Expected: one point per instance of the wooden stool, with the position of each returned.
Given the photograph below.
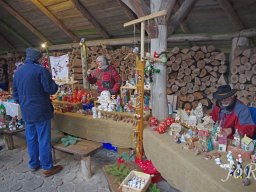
(8, 139)
(83, 149)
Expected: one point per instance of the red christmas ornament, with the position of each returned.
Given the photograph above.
(153, 121)
(156, 55)
(169, 121)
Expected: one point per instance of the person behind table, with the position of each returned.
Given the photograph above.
(4, 77)
(232, 113)
(32, 87)
(106, 76)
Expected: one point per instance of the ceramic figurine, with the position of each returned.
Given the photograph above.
(247, 144)
(104, 100)
(94, 113)
(217, 161)
(237, 139)
(198, 112)
(99, 115)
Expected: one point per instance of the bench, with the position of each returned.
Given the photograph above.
(8, 137)
(82, 149)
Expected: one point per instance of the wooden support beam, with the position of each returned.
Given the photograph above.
(172, 39)
(169, 7)
(7, 41)
(180, 15)
(24, 21)
(183, 24)
(218, 37)
(145, 18)
(14, 33)
(232, 14)
(55, 20)
(90, 18)
(131, 15)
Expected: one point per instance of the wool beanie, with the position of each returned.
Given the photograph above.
(33, 54)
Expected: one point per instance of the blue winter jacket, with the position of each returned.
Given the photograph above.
(32, 87)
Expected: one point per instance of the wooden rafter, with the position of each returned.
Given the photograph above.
(24, 21)
(172, 39)
(128, 12)
(7, 41)
(90, 18)
(14, 33)
(180, 15)
(141, 9)
(232, 14)
(55, 20)
(183, 24)
(169, 7)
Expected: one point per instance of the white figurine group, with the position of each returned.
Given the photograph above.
(136, 182)
(106, 103)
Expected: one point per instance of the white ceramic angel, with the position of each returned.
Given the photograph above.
(94, 113)
(198, 112)
(104, 100)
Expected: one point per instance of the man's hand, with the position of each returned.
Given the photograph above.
(89, 72)
(228, 131)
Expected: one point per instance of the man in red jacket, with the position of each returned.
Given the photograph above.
(231, 113)
(105, 76)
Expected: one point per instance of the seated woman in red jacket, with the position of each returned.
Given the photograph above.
(232, 113)
(106, 76)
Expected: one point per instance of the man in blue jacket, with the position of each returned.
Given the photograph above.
(32, 87)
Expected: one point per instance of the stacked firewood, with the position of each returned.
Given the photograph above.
(195, 73)
(243, 74)
(75, 66)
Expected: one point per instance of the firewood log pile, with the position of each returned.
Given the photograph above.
(243, 74)
(194, 74)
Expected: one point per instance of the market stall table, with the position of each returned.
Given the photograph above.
(117, 133)
(186, 171)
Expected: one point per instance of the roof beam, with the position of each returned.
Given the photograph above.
(180, 15)
(83, 10)
(169, 7)
(24, 21)
(232, 14)
(172, 39)
(14, 33)
(129, 13)
(7, 41)
(55, 20)
(183, 24)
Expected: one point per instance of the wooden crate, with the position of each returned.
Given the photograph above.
(125, 188)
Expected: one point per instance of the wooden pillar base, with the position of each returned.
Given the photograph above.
(86, 167)
(9, 141)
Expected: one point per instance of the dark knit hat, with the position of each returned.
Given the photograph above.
(33, 54)
(224, 91)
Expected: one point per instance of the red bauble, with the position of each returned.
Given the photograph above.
(169, 121)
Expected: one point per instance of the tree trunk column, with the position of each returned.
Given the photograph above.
(158, 88)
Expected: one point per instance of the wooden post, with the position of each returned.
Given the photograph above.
(86, 167)
(158, 88)
(140, 84)
(84, 64)
(238, 42)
